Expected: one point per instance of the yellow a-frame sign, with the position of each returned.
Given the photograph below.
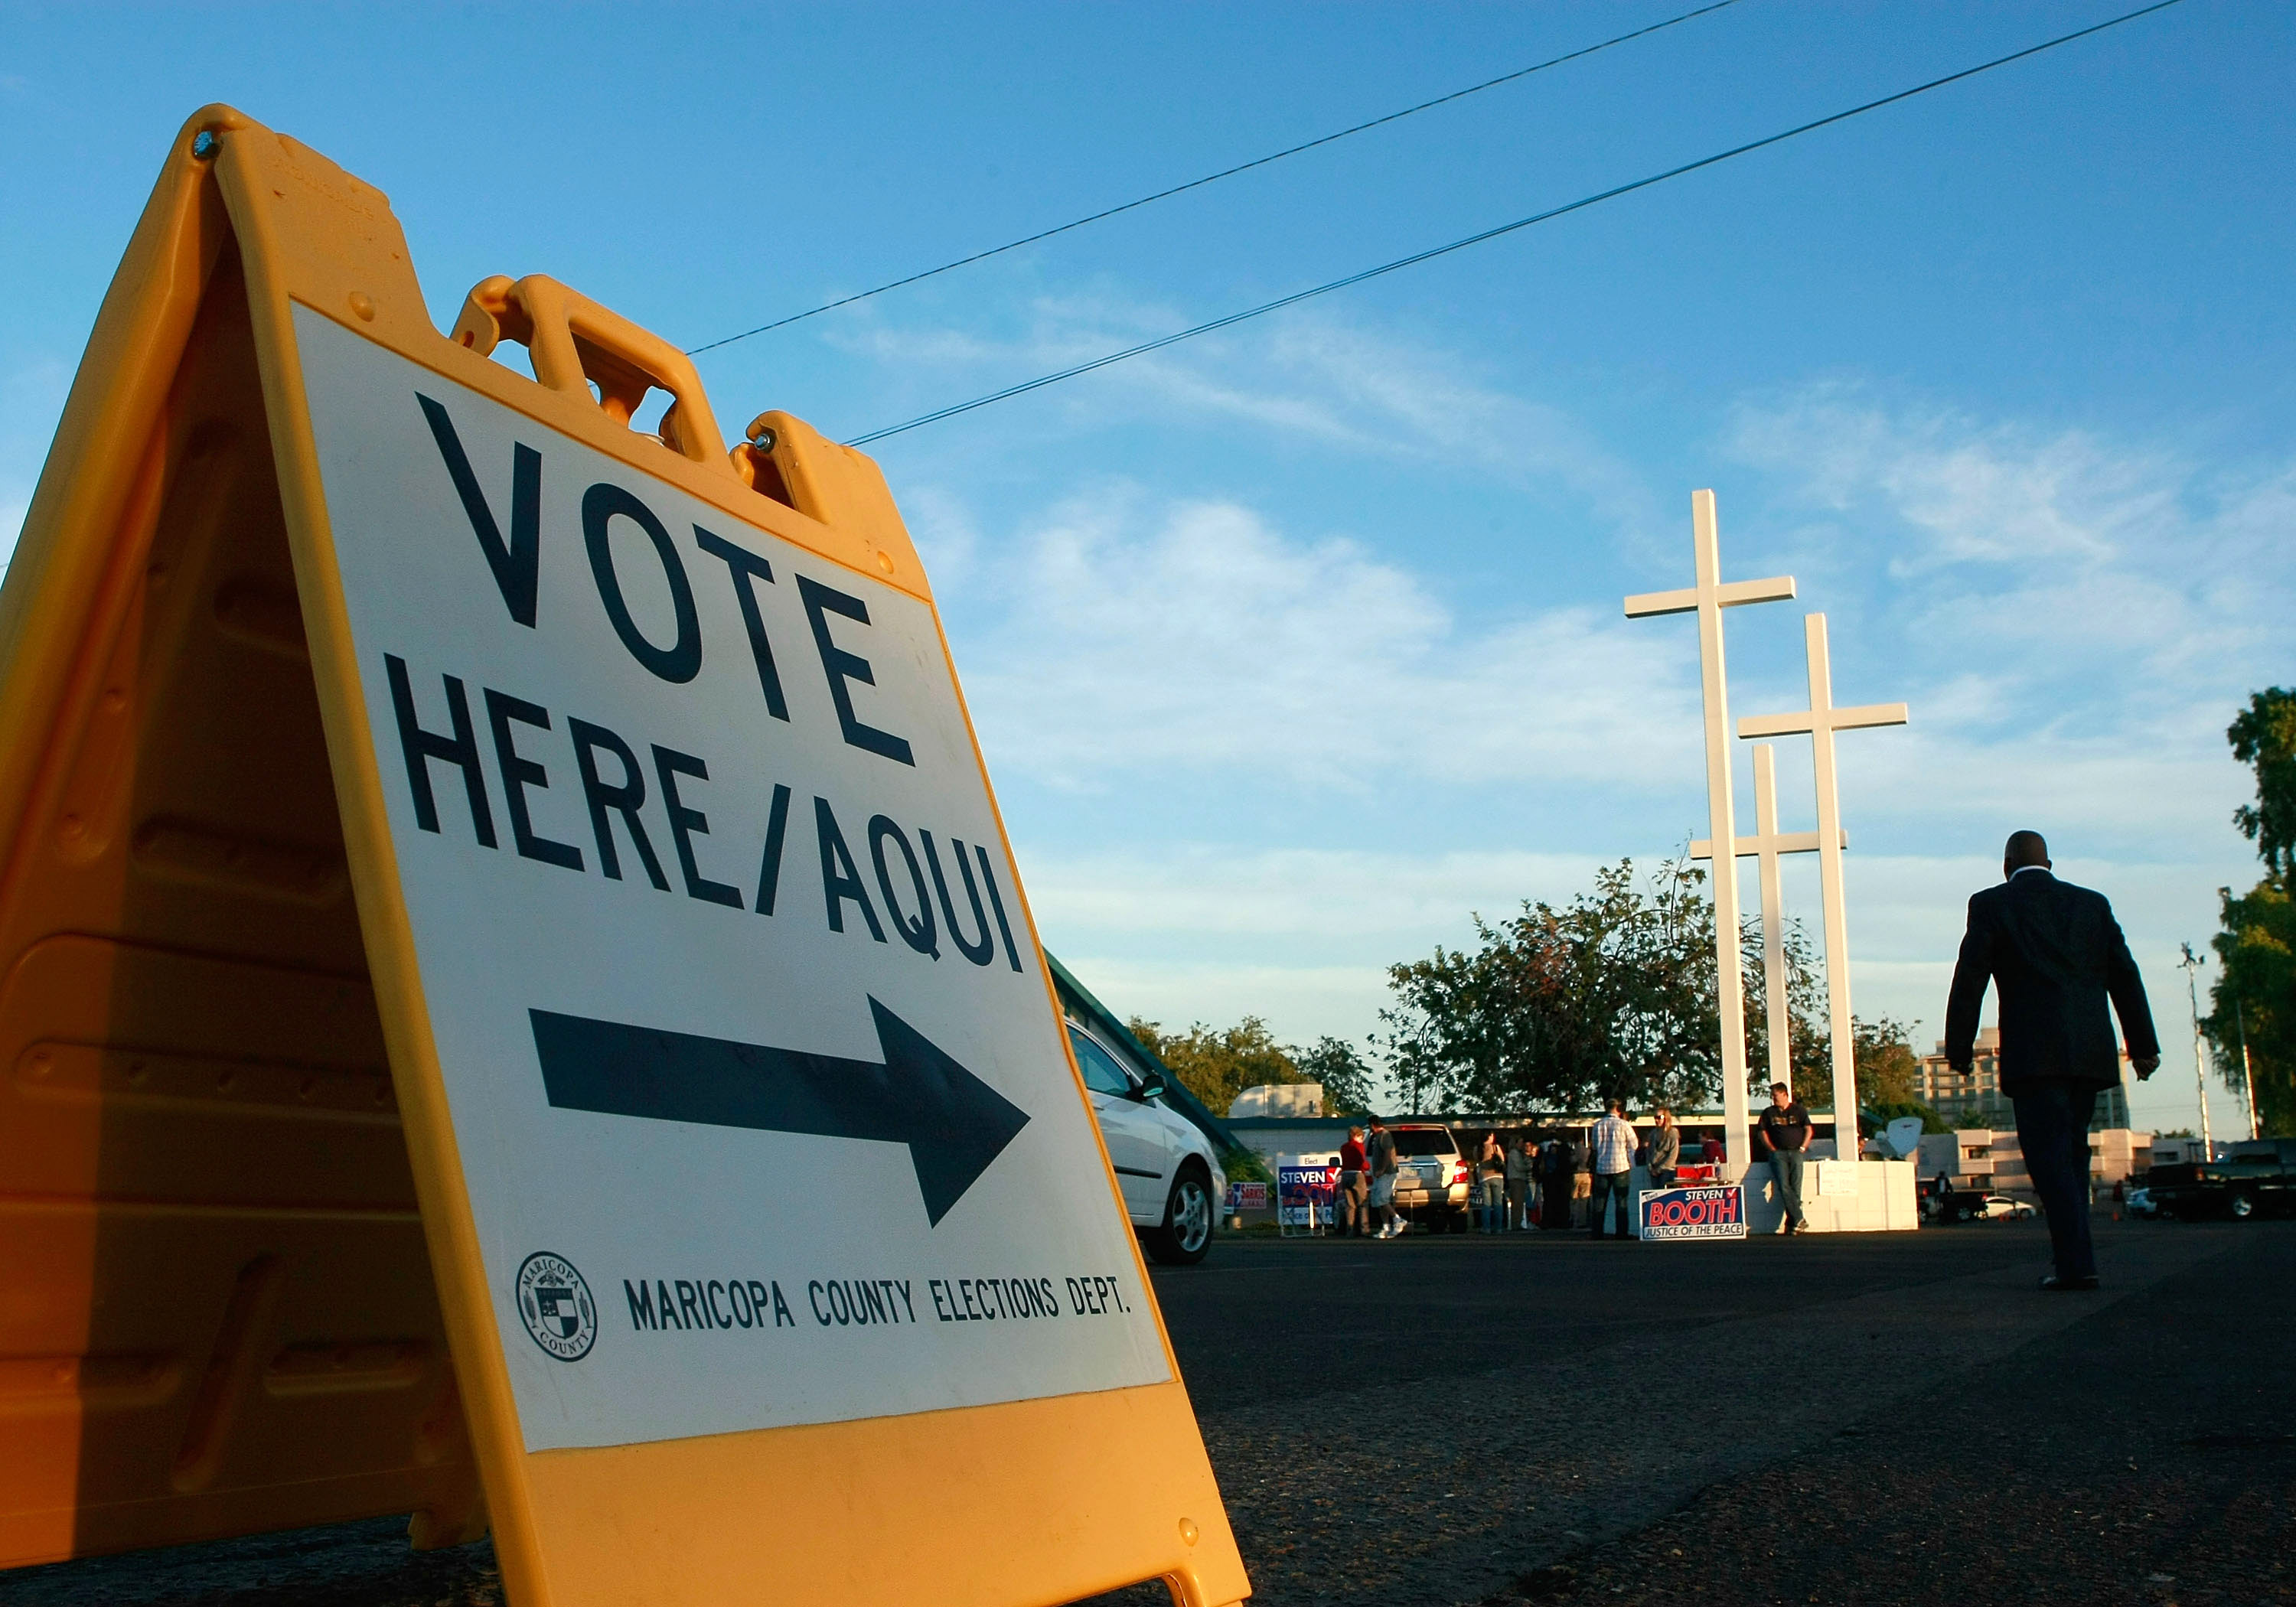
(514, 999)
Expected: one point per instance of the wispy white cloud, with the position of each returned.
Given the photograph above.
(1301, 938)
(2074, 618)
(2034, 556)
(1327, 895)
(1971, 491)
(1138, 635)
(1313, 374)
(1322, 376)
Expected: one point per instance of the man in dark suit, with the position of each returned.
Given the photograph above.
(2055, 954)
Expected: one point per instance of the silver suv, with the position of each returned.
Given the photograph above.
(1431, 1176)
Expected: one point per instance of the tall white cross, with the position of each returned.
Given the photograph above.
(1765, 846)
(1821, 720)
(1707, 599)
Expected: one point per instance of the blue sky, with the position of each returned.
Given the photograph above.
(1293, 645)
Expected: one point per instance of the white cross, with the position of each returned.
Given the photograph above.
(1707, 599)
(1821, 720)
(1765, 846)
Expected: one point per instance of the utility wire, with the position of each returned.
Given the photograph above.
(1208, 178)
(1505, 228)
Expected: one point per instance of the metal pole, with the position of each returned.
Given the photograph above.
(2192, 963)
(2247, 1072)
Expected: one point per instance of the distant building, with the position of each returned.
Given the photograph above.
(1977, 1092)
(1292, 1100)
(2183, 1151)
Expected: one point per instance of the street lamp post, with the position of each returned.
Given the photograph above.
(2192, 963)
(2247, 1071)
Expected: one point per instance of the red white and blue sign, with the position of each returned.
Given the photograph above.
(1305, 1194)
(1716, 1212)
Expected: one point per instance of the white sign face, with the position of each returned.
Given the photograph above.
(763, 1111)
(1837, 1179)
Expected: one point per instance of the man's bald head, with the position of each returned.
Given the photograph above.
(2025, 847)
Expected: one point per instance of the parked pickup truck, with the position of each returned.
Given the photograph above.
(2255, 1179)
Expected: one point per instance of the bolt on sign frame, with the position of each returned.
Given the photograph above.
(253, 1189)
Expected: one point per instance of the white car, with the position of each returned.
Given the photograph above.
(1171, 1180)
(2002, 1205)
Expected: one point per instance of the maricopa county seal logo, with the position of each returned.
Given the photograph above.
(557, 1306)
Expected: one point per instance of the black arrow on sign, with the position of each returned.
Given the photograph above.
(954, 1124)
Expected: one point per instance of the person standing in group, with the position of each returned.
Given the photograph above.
(1522, 1184)
(1490, 1184)
(1784, 1130)
(1554, 1187)
(2055, 956)
(1381, 1157)
(1352, 1218)
(1582, 1179)
(1665, 1148)
(1610, 1142)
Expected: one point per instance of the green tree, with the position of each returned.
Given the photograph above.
(1350, 1084)
(2253, 1000)
(1217, 1065)
(1561, 1007)
(1809, 1063)
(1888, 1071)
(2264, 737)
(2252, 1003)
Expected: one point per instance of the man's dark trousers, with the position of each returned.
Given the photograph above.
(1785, 1166)
(2053, 1118)
(1614, 1186)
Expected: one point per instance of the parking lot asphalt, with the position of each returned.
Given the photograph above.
(1424, 1308)
(1883, 1418)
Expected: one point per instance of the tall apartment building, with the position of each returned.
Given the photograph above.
(1977, 1091)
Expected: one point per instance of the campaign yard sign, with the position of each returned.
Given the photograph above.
(1712, 1212)
(1305, 1194)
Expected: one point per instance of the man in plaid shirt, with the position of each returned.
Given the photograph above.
(1612, 1141)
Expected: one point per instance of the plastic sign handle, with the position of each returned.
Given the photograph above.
(576, 343)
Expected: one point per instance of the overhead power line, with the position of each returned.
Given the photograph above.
(1583, 202)
(1210, 178)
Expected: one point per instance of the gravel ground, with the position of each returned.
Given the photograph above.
(1459, 1419)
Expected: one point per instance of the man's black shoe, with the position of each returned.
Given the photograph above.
(2053, 1284)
